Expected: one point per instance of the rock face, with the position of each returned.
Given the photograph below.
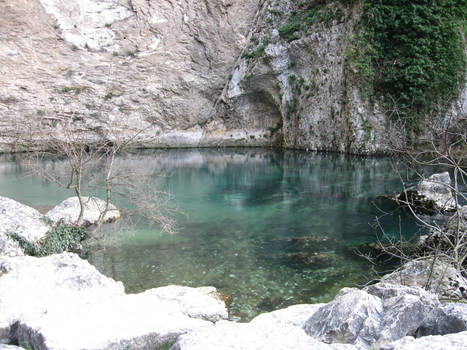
(60, 301)
(22, 220)
(445, 281)
(185, 73)
(68, 211)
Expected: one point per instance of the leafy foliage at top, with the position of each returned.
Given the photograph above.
(417, 54)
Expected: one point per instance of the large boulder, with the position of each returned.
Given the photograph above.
(456, 341)
(448, 318)
(438, 277)
(68, 211)
(22, 220)
(278, 330)
(62, 302)
(431, 196)
(376, 315)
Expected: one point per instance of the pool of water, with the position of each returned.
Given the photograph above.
(271, 228)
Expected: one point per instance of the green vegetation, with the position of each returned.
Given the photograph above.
(410, 55)
(61, 238)
(108, 25)
(66, 89)
(258, 52)
(74, 48)
(108, 96)
(167, 345)
(115, 53)
(40, 112)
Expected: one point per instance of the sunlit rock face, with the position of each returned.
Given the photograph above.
(184, 74)
(60, 301)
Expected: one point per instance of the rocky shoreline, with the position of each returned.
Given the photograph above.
(60, 301)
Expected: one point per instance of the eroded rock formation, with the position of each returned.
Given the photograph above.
(184, 73)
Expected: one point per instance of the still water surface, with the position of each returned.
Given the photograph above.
(270, 228)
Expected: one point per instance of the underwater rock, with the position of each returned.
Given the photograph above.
(431, 196)
(22, 220)
(439, 278)
(310, 243)
(68, 211)
(312, 259)
(59, 301)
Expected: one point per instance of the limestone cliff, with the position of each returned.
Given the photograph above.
(183, 73)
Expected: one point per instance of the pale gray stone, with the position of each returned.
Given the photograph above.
(439, 278)
(250, 336)
(437, 189)
(68, 211)
(376, 315)
(21, 220)
(10, 347)
(353, 317)
(456, 341)
(446, 319)
(62, 302)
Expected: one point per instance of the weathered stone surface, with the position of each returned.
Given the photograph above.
(456, 341)
(22, 220)
(62, 302)
(446, 319)
(439, 278)
(68, 211)
(431, 196)
(353, 317)
(10, 347)
(174, 74)
(379, 314)
(276, 330)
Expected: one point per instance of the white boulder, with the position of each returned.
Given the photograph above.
(22, 220)
(457, 341)
(62, 302)
(278, 330)
(68, 211)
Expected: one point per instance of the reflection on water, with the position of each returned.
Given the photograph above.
(271, 228)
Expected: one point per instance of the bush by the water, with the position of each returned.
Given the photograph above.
(61, 238)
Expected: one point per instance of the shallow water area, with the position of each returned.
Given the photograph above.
(271, 228)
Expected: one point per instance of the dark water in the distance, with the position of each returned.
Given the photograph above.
(240, 213)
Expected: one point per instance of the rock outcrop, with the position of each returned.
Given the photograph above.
(22, 220)
(438, 277)
(62, 302)
(184, 74)
(93, 207)
(432, 195)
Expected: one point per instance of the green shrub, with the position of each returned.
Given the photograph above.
(288, 30)
(61, 238)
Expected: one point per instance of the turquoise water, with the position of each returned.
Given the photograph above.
(270, 228)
